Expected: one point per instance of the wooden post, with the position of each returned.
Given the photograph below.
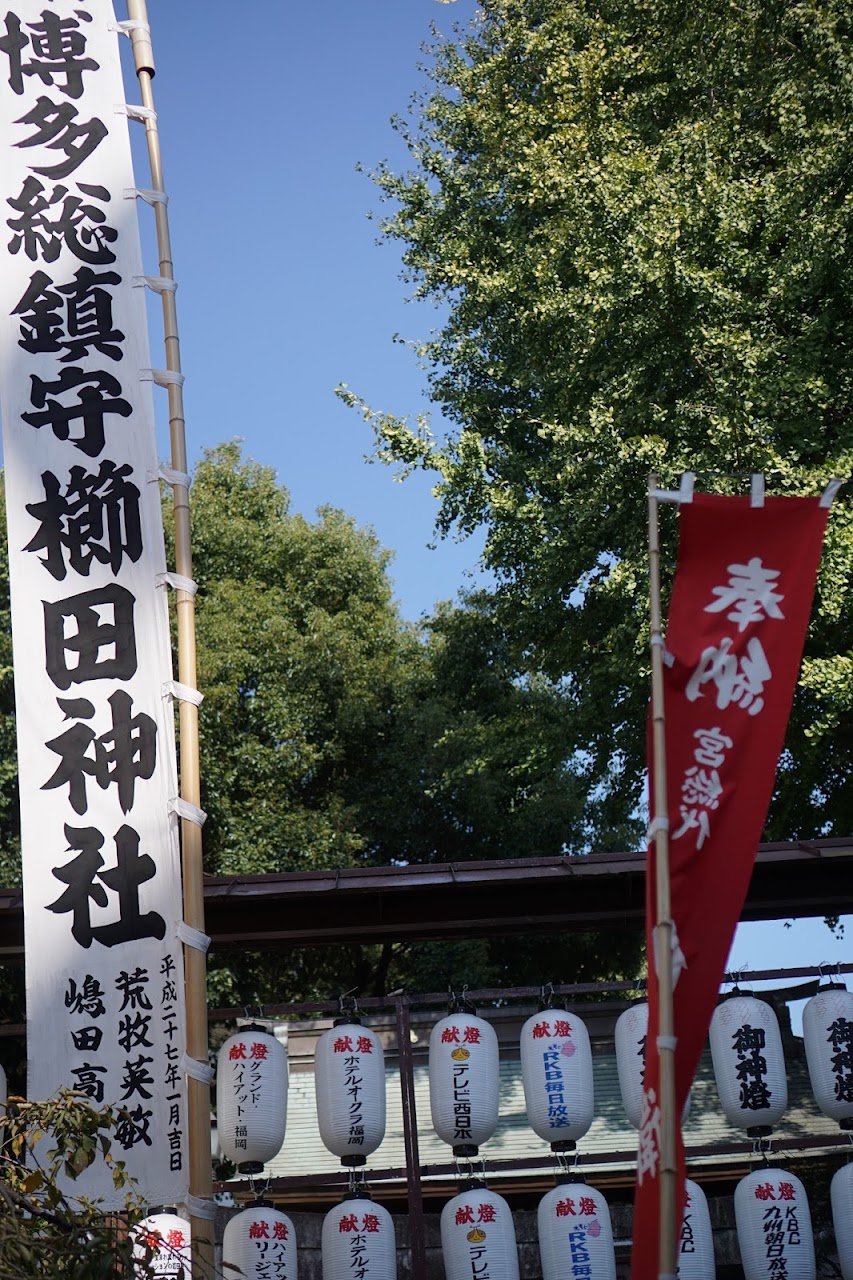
(195, 965)
(663, 933)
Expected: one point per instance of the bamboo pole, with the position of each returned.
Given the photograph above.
(663, 925)
(195, 966)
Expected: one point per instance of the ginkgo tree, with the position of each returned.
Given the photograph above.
(637, 222)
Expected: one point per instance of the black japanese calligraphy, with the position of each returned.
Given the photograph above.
(82, 875)
(104, 644)
(87, 998)
(90, 409)
(132, 987)
(58, 46)
(56, 129)
(128, 752)
(78, 225)
(90, 1081)
(133, 1031)
(95, 518)
(840, 1039)
(137, 1077)
(87, 1038)
(73, 317)
(132, 1127)
(751, 1068)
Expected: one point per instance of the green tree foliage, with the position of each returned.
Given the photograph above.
(334, 734)
(300, 654)
(45, 1230)
(637, 220)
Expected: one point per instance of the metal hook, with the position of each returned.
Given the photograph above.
(546, 995)
(347, 1002)
(763, 1147)
(259, 1192)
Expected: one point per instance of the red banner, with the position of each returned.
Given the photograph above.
(737, 623)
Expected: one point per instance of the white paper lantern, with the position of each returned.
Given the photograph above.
(164, 1242)
(349, 1082)
(749, 1064)
(464, 1081)
(774, 1226)
(251, 1097)
(632, 1027)
(695, 1257)
(478, 1236)
(261, 1243)
(556, 1071)
(358, 1240)
(575, 1234)
(828, 1035)
(841, 1196)
(630, 1036)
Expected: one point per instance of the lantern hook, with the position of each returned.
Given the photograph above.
(735, 977)
(546, 996)
(259, 1192)
(347, 1001)
(763, 1147)
(254, 1012)
(356, 1179)
(459, 1003)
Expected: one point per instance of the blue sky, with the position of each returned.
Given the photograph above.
(283, 292)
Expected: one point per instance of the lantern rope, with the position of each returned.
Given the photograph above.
(178, 581)
(184, 809)
(192, 937)
(135, 111)
(200, 1208)
(162, 377)
(169, 476)
(257, 1192)
(756, 490)
(656, 825)
(128, 25)
(684, 492)
(183, 692)
(146, 194)
(201, 1071)
(831, 490)
(157, 284)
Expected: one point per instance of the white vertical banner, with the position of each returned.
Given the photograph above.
(96, 751)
